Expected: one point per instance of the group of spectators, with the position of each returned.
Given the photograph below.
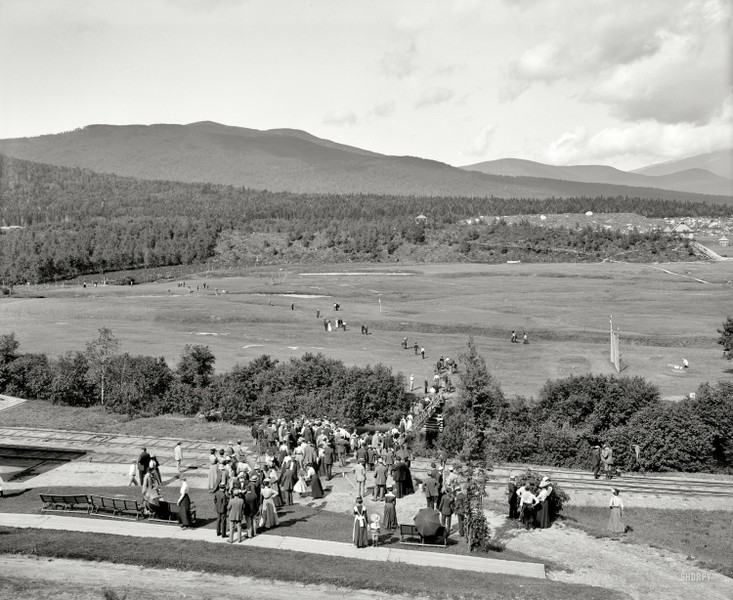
(529, 503)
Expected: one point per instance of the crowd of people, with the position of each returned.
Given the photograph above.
(530, 504)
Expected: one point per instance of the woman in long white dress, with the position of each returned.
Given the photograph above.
(267, 508)
(213, 471)
(615, 519)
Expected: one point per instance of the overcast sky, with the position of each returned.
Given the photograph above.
(619, 82)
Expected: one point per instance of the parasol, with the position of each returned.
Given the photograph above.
(427, 522)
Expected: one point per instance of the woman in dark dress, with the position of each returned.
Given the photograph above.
(315, 483)
(389, 519)
(184, 506)
(360, 533)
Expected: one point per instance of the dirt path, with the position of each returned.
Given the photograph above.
(642, 572)
(27, 578)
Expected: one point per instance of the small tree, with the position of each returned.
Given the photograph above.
(196, 367)
(726, 338)
(478, 533)
(99, 353)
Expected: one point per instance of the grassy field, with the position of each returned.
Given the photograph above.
(663, 317)
(704, 536)
(45, 415)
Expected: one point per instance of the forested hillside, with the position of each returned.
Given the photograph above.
(77, 222)
(292, 161)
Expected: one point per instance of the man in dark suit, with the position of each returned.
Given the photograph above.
(511, 490)
(328, 461)
(399, 475)
(221, 503)
(431, 490)
(143, 463)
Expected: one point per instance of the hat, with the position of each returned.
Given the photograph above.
(222, 485)
(359, 500)
(512, 477)
(450, 468)
(545, 482)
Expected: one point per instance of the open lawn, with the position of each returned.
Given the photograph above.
(664, 312)
(704, 536)
(45, 415)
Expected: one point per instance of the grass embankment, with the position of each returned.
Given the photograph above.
(300, 568)
(45, 415)
(704, 536)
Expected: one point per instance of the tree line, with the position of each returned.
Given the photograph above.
(559, 428)
(573, 414)
(77, 222)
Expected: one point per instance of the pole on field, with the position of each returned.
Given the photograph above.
(614, 349)
(380, 304)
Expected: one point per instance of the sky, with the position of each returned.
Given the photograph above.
(620, 82)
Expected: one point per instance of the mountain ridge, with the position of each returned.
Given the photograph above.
(688, 180)
(287, 160)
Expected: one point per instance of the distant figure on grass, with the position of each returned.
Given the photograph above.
(525, 338)
(412, 381)
(380, 480)
(543, 512)
(268, 520)
(404, 343)
(292, 306)
(607, 459)
(178, 456)
(235, 514)
(430, 486)
(511, 491)
(143, 462)
(460, 508)
(360, 533)
(416, 347)
(595, 461)
(527, 502)
(446, 511)
(514, 337)
(389, 519)
(360, 476)
(132, 474)
(422, 353)
(220, 506)
(615, 519)
(213, 471)
(184, 505)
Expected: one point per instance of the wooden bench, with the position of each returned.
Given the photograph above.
(66, 503)
(410, 535)
(120, 508)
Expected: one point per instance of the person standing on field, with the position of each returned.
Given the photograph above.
(178, 456)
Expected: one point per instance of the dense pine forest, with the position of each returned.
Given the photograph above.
(77, 222)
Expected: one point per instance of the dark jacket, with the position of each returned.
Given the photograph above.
(220, 501)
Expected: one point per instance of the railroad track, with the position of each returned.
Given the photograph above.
(634, 484)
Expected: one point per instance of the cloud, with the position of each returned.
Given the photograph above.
(643, 142)
(433, 96)
(481, 142)
(684, 82)
(384, 109)
(652, 60)
(400, 63)
(341, 119)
